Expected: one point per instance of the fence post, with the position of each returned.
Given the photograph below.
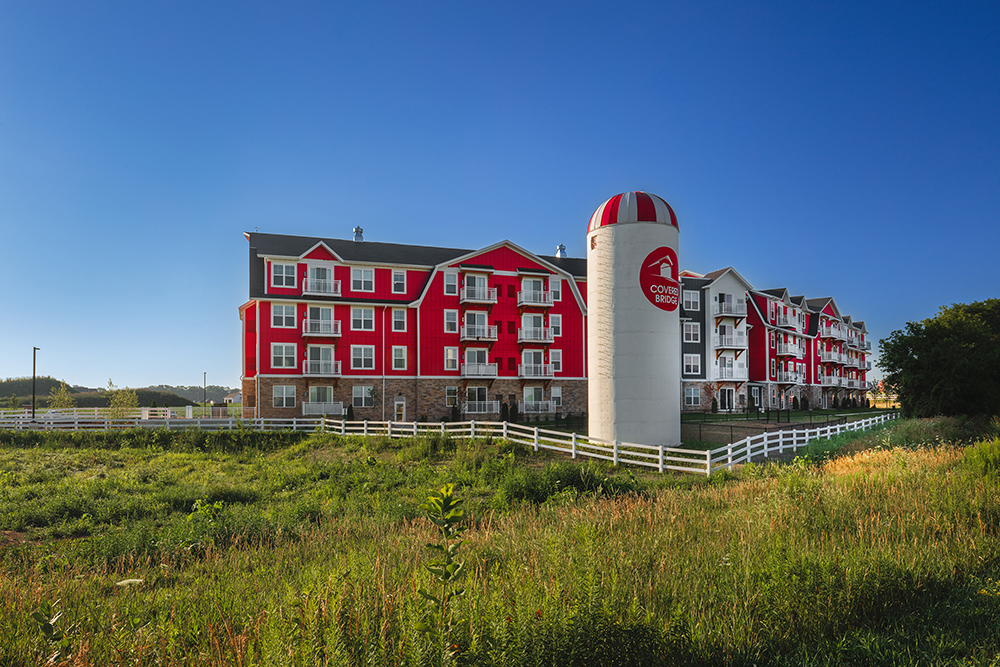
(708, 463)
(414, 429)
(505, 432)
(536, 438)
(615, 450)
(574, 450)
(343, 427)
(729, 462)
(660, 467)
(442, 428)
(388, 426)
(365, 429)
(473, 430)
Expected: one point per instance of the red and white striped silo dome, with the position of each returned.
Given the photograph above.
(632, 207)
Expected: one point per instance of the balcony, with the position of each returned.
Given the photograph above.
(785, 321)
(536, 407)
(829, 356)
(478, 295)
(321, 368)
(535, 335)
(478, 332)
(832, 332)
(321, 287)
(479, 370)
(730, 309)
(534, 370)
(534, 298)
(729, 341)
(830, 381)
(785, 350)
(790, 377)
(867, 346)
(330, 328)
(335, 409)
(739, 373)
(481, 408)
(851, 383)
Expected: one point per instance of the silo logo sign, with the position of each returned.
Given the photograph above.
(658, 278)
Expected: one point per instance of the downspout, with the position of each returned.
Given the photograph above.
(383, 363)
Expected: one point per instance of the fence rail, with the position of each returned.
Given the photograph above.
(661, 458)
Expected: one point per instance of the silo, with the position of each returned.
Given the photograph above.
(633, 338)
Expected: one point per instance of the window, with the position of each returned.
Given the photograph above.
(398, 358)
(282, 316)
(773, 367)
(692, 397)
(772, 338)
(555, 358)
(399, 319)
(555, 323)
(362, 319)
(320, 359)
(692, 364)
(363, 396)
(363, 280)
(451, 358)
(532, 394)
(320, 321)
(451, 283)
(451, 321)
(321, 394)
(282, 275)
(399, 282)
(363, 356)
(557, 396)
(284, 395)
(691, 301)
(451, 396)
(282, 356)
(692, 332)
(555, 286)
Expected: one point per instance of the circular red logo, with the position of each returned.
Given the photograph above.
(658, 278)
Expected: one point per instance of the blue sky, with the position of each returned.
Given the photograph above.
(849, 149)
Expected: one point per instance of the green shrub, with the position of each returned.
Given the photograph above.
(984, 458)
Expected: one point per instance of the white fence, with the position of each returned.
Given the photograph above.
(701, 462)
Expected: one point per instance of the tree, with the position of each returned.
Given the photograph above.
(948, 364)
(504, 412)
(13, 403)
(60, 398)
(121, 402)
(795, 403)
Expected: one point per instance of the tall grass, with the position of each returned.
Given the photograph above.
(878, 557)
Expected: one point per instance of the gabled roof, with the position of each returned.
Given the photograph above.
(819, 304)
(716, 275)
(780, 293)
(282, 245)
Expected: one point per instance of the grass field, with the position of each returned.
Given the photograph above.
(287, 549)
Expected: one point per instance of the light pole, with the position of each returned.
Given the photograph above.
(34, 356)
(204, 389)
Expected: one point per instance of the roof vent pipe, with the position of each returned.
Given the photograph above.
(358, 234)
(560, 250)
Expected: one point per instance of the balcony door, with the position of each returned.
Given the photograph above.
(320, 359)
(475, 285)
(727, 398)
(320, 320)
(532, 358)
(475, 356)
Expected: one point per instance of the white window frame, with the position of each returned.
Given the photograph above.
(772, 339)
(358, 313)
(774, 368)
(692, 397)
(399, 317)
(450, 396)
(555, 359)
(692, 332)
(555, 287)
(399, 357)
(358, 357)
(313, 391)
(361, 396)
(446, 314)
(284, 274)
(692, 362)
(395, 274)
(555, 325)
(451, 281)
(284, 356)
(358, 277)
(691, 300)
(284, 315)
(451, 358)
(284, 396)
(556, 395)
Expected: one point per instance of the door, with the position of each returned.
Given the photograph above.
(400, 411)
(726, 398)
(475, 324)
(320, 320)
(321, 360)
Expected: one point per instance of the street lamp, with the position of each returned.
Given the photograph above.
(34, 355)
(204, 389)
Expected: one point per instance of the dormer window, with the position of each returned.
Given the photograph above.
(282, 275)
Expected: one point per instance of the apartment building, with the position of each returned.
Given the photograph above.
(402, 331)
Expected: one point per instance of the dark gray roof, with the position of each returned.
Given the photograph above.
(383, 253)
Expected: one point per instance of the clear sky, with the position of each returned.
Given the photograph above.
(845, 149)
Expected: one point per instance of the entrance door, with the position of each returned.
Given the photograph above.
(727, 398)
(400, 410)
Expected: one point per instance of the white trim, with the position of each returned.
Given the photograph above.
(362, 318)
(362, 290)
(392, 275)
(395, 348)
(362, 347)
(295, 352)
(398, 310)
(284, 316)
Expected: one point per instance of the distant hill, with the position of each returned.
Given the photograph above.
(215, 392)
(85, 396)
